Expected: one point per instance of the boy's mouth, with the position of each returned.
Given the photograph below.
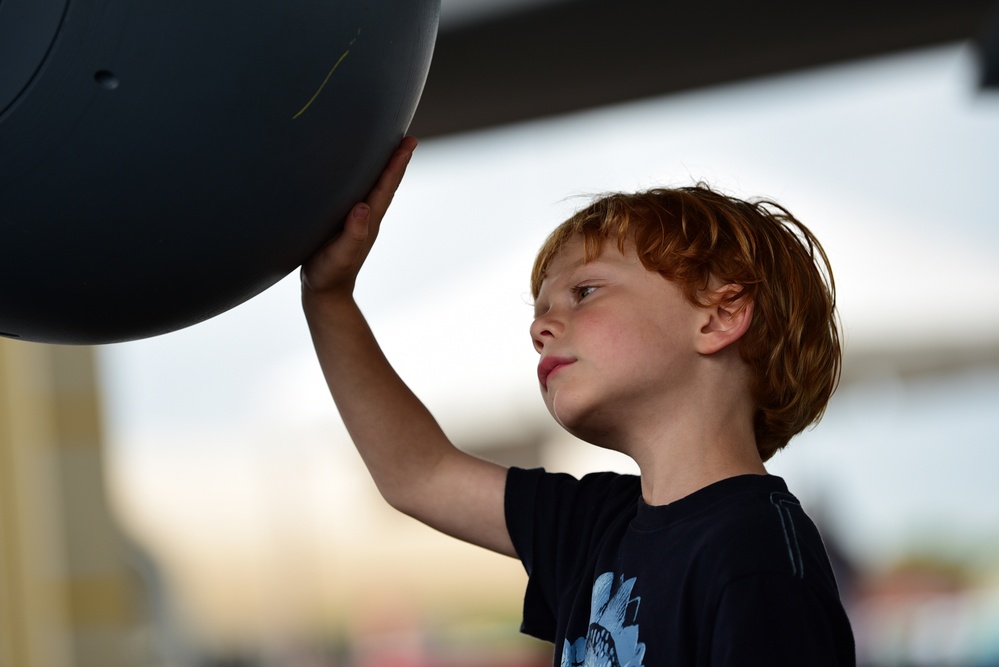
(549, 365)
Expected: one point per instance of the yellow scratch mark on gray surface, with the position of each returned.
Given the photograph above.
(326, 80)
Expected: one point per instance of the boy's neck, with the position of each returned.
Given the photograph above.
(689, 454)
(670, 481)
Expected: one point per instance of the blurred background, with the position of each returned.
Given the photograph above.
(193, 500)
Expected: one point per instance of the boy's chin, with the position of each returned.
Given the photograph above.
(583, 423)
(564, 412)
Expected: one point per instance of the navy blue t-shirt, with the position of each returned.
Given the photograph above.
(733, 574)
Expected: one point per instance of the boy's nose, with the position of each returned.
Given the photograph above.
(545, 329)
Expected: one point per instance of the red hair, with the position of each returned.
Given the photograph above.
(693, 234)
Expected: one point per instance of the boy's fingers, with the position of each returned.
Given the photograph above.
(339, 261)
(381, 195)
(341, 257)
(348, 248)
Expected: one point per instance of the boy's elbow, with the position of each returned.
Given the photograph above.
(398, 502)
(421, 493)
(411, 506)
(402, 496)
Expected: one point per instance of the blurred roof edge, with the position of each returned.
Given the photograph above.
(550, 58)
(911, 362)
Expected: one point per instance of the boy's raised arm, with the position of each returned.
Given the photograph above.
(414, 465)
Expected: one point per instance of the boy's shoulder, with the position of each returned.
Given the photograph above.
(748, 523)
(739, 526)
(751, 531)
(747, 512)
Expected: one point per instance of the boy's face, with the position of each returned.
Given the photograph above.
(617, 343)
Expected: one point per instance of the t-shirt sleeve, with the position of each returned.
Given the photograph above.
(523, 520)
(779, 621)
(519, 499)
(555, 521)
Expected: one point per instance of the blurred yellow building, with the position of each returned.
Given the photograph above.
(68, 595)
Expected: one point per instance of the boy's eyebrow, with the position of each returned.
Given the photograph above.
(582, 261)
(579, 263)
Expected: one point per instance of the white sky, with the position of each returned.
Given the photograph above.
(893, 163)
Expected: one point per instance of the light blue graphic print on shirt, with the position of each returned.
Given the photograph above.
(612, 638)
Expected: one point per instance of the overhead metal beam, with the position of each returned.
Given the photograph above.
(562, 57)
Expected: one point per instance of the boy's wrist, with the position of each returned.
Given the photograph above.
(315, 302)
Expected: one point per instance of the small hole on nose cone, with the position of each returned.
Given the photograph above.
(106, 80)
(9, 335)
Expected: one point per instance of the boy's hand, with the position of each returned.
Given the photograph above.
(333, 268)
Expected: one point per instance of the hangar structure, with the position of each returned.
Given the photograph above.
(503, 61)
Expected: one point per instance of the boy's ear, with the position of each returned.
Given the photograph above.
(727, 320)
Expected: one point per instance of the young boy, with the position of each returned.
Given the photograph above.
(688, 330)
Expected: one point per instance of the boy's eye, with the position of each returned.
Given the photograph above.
(583, 291)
